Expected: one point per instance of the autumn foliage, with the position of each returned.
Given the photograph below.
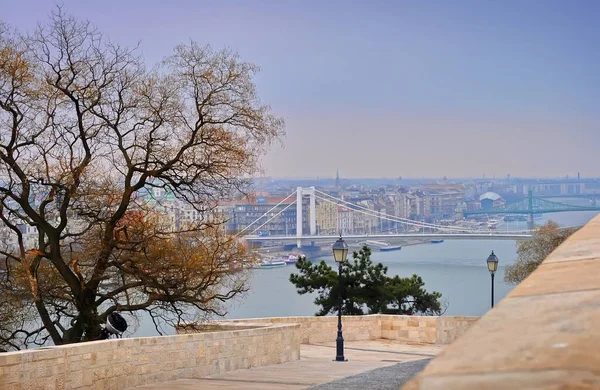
(531, 253)
(87, 131)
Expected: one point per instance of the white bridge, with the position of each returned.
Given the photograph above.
(432, 236)
(435, 231)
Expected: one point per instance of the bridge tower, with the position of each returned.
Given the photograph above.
(530, 209)
(300, 192)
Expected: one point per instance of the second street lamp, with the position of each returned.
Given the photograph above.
(340, 253)
(492, 263)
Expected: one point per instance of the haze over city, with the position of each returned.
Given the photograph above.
(387, 89)
(395, 88)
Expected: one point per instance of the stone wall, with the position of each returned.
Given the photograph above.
(223, 346)
(117, 364)
(425, 329)
(316, 330)
(410, 329)
(544, 334)
(449, 329)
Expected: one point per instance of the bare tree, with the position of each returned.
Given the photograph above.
(87, 135)
(531, 253)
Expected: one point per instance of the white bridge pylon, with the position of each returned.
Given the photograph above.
(312, 222)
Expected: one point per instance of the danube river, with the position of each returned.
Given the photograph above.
(455, 268)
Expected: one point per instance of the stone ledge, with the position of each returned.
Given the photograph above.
(408, 329)
(118, 364)
(544, 334)
(224, 346)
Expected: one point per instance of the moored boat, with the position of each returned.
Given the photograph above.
(390, 248)
(436, 241)
(291, 259)
(272, 263)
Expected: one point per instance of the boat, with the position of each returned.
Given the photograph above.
(389, 248)
(272, 263)
(436, 241)
(291, 259)
(492, 224)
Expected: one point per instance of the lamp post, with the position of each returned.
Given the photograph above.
(340, 253)
(492, 263)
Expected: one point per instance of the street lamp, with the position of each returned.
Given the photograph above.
(492, 263)
(340, 253)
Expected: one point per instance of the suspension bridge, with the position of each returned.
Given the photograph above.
(536, 205)
(434, 231)
(594, 197)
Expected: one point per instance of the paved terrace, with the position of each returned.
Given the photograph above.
(378, 364)
(284, 352)
(544, 335)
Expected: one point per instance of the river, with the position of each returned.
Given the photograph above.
(455, 268)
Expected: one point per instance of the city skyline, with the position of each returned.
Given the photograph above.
(567, 176)
(390, 89)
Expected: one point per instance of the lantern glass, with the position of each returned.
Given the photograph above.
(340, 250)
(492, 263)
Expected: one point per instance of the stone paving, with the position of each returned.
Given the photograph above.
(317, 368)
(385, 378)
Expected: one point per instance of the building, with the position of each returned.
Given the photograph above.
(345, 220)
(365, 218)
(491, 200)
(327, 217)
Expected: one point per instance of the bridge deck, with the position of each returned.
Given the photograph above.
(433, 236)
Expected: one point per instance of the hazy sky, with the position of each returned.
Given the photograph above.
(395, 88)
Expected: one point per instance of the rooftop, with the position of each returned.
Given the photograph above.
(490, 195)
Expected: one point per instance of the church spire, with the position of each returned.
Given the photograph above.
(337, 178)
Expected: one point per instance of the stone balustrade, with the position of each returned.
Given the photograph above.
(543, 335)
(409, 329)
(208, 349)
(117, 364)
(219, 347)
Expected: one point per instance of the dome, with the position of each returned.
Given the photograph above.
(490, 195)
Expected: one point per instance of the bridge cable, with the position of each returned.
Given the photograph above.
(272, 208)
(388, 218)
(412, 223)
(409, 221)
(276, 215)
(394, 218)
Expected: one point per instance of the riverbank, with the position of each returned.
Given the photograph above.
(325, 250)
